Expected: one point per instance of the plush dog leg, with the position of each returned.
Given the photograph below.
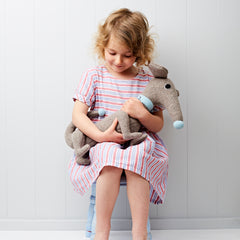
(68, 134)
(80, 148)
(81, 157)
(138, 140)
(123, 120)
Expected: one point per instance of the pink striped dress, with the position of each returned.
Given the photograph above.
(99, 89)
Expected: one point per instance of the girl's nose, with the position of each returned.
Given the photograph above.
(118, 59)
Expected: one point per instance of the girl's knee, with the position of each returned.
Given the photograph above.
(130, 174)
(110, 170)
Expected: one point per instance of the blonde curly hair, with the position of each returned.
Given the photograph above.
(132, 29)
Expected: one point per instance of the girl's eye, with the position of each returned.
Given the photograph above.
(112, 53)
(128, 56)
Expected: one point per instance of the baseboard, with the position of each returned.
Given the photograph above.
(117, 224)
(195, 223)
(41, 224)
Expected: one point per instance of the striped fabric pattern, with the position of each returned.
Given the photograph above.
(99, 89)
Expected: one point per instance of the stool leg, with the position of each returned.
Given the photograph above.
(149, 235)
(93, 224)
(91, 212)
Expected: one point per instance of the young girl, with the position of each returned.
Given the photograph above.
(124, 43)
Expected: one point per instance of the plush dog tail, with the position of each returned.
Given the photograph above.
(68, 134)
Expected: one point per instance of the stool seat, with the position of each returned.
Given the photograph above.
(123, 180)
(91, 221)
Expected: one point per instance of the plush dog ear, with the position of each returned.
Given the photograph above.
(158, 71)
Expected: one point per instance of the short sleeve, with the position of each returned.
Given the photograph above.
(85, 90)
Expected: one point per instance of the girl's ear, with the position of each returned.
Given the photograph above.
(158, 71)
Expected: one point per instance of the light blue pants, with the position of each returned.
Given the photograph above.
(91, 222)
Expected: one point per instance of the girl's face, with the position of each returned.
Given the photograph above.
(119, 58)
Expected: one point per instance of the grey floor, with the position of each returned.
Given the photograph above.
(218, 234)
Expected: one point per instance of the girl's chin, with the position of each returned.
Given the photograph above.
(119, 68)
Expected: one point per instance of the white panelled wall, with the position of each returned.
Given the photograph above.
(45, 45)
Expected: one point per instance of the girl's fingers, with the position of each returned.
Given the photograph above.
(114, 124)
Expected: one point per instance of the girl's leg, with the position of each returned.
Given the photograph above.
(138, 196)
(107, 190)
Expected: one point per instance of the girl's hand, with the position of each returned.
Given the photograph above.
(111, 135)
(134, 108)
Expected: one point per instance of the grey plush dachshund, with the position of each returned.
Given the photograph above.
(160, 91)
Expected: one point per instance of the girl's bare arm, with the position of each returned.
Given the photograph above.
(83, 123)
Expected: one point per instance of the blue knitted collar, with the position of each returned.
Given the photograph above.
(146, 102)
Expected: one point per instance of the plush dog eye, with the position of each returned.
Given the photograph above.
(167, 86)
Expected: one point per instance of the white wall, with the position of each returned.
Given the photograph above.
(44, 47)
